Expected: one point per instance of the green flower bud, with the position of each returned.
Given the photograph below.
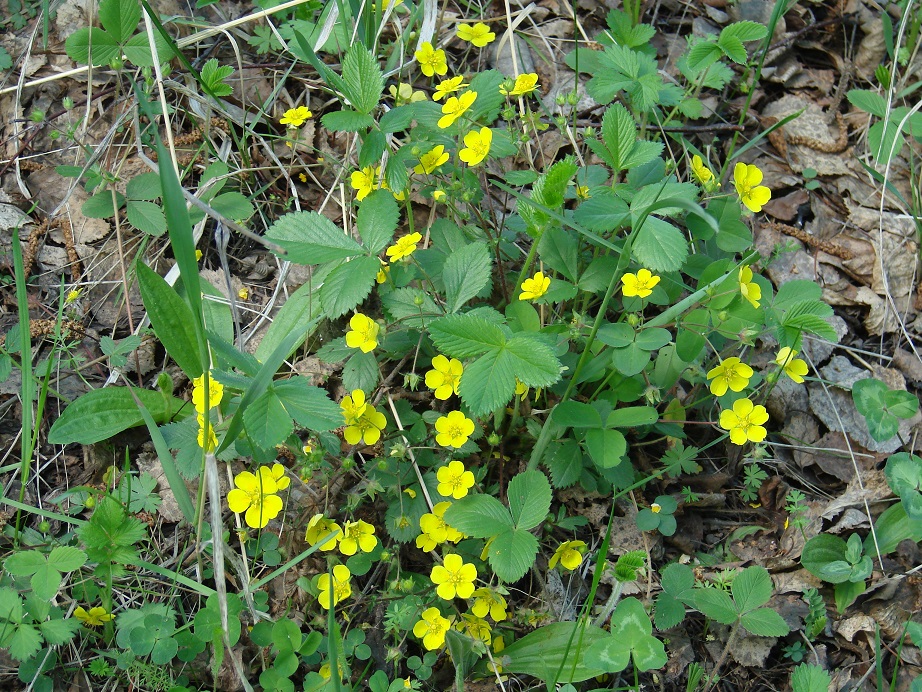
(633, 319)
(90, 502)
(44, 526)
(493, 439)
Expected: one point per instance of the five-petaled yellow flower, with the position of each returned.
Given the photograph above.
(535, 287)
(455, 107)
(431, 160)
(453, 429)
(448, 86)
(477, 146)
(363, 333)
(750, 290)
(730, 374)
(295, 117)
(404, 247)
(454, 480)
(795, 368)
(701, 172)
(524, 84)
(489, 602)
(744, 422)
(746, 178)
(432, 628)
(357, 535)
(434, 530)
(94, 617)
(454, 578)
(444, 377)
(215, 393)
(478, 34)
(431, 61)
(476, 627)
(365, 181)
(640, 284)
(569, 554)
(256, 495)
(335, 590)
(363, 422)
(323, 530)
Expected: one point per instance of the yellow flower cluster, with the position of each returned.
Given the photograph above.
(206, 437)
(350, 538)
(256, 495)
(435, 530)
(363, 422)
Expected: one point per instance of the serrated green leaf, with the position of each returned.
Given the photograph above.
(733, 48)
(266, 421)
(24, 642)
(565, 464)
(602, 212)
(362, 77)
(868, 101)
(311, 238)
(465, 336)
(765, 622)
(810, 678)
(606, 447)
(298, 315)
(66, 558)
(213, 75)
(91, 46)
(702, 55)
(57, 632)
(120, 18)
(660, 246)
(466, 273)
(533, 361)
(745, 31)
(401, 304)
(479, 516)
(310, 406)
(348, 285)
(715, 604)
(619, 133)
(512, 553)
(529, 495)
(751, 588)
(376, 220)
(361, 372)
(146, 216)
(667, 612)
(488, 383)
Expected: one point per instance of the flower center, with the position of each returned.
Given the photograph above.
(454, 431)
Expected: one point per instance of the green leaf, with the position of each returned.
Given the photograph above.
(66, 558)
(310, 406)
(57, 632)
(529, 495)
(120, 18)
(555, 653)
(479, 516)
(868, 101)
(110, 535)
(733, 48)
(619, 133)
(558, 249)
(234, 206)
(565, 463)
(144, 187)
(765, 622)
(91, 46)
(346, 121)
(533, 361)
(660, 246)
(266, 420)
(146, 216)
(348, 285)
(25, 642)
(715, 604)
(171, 319)
(751, 588)
(25, 563)
(298, 315)
(102, 413)
(601, 213)
(137, 50)
(745, 31)
(882, 407)
(630, 360)
(653, 338)
(401, 305)
(466, 273)
(100, 206)
(362, 78)
(488, 383)
(606, 447)
(512, 553)
(904, 476)
(396, 119)
(311, 238)
(702, 55)
(361, 372)
(820, 551)
(631, 638)
(810, 678)
(213, 75)
(631, 417)
(576, 414)
(465, 336)
(377, 220)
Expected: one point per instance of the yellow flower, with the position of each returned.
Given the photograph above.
(582, 192)
(255, 495)
(431, 62)
(640, 284)
(432, 628)
(363, 421)
(363, 333)
(431, 160)
(477, 146)
(569, 554)
(701, 172)
(453, 429)
(795, 368)
(454, 480)
(476, 627)
(198, 255)
(404, 247)
(744, 422)
(478, 34)
(73, 295)
(445, 376)
(95, 617)
(535, 287)
(278, 473)
(448, 86)
(746, 178)
(212, 438)
(438, 195)
(320, 529)
(454, 578)
(243, 293)
(383, 273)
(750, 290)
(433, 532)
(295, 117)
(489, 602)
(403, 93)
(524, 84)
(455, 107)
(357, 535)
(365, 181)
(521, 389)
(656, 508)
(215, 393)
(334, 590)
(451, 533)
(730, 374)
